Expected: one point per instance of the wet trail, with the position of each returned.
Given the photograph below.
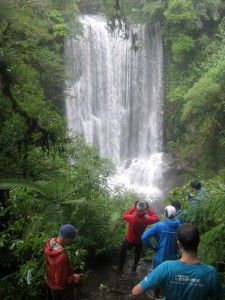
(101, 283)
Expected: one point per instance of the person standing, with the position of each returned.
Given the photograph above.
(138, 217)
(186, 278)
(59, 271)
(197, 192)
(177, 205)
(165, 235)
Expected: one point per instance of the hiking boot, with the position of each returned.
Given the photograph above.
(117, 269)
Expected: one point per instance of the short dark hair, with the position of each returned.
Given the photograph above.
(176, 204)
(188, 236)
(196, 184)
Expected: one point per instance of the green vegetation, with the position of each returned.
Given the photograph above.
(32, 211)
(208, 215)
(48, 178)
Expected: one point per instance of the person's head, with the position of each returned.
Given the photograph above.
(196, 184)
(141, 206)
(188, 236)
(170, 212)
(176, 204)
(67, 233)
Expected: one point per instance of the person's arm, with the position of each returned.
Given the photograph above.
(137, 290)
(128, 215)
(147, 235)
(153, 280)
(152, 217)
(64, 277)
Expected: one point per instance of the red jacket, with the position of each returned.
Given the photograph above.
(138, 221)
(59, 269)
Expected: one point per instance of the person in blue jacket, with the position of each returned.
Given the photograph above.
(197, 192)
(165, 234)
(186, 278)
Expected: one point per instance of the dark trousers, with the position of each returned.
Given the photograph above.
(67, 294)
(123, 253)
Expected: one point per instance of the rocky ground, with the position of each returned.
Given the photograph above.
(101, 283)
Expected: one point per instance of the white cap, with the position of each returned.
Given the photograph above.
(170, 211)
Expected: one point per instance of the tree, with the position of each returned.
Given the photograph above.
(32, 80)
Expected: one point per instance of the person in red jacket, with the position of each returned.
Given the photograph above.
(139, 216)
(59, 271)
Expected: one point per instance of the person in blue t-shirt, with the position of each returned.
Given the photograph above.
(165, 235)
(186, 278)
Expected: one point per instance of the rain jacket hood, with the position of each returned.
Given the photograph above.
(53, 248)
(172, 223)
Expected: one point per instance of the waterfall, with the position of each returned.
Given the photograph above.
(116, 99)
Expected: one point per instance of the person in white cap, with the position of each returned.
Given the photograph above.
(165, 240)
(138, 217)
(59, 271)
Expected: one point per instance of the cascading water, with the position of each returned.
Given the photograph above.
(116, 100)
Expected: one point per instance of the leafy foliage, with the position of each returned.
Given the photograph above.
(207, 214)
(181, 12)
(75, 192)
(32, 75)
(182, 45)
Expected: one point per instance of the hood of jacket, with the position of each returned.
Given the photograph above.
(53, 248)
(172, 223)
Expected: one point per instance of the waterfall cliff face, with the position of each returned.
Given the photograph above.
(117, 97)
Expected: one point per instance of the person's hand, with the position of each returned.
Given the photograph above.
(135, 203)
(77, 277)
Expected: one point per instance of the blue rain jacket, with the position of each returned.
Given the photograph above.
(165, 244)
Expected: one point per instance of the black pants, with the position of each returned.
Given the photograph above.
(67, 294)
(123, 252)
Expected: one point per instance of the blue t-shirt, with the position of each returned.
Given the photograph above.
(181, 281)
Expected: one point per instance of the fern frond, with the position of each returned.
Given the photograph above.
(75, 201)
(40, 188)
